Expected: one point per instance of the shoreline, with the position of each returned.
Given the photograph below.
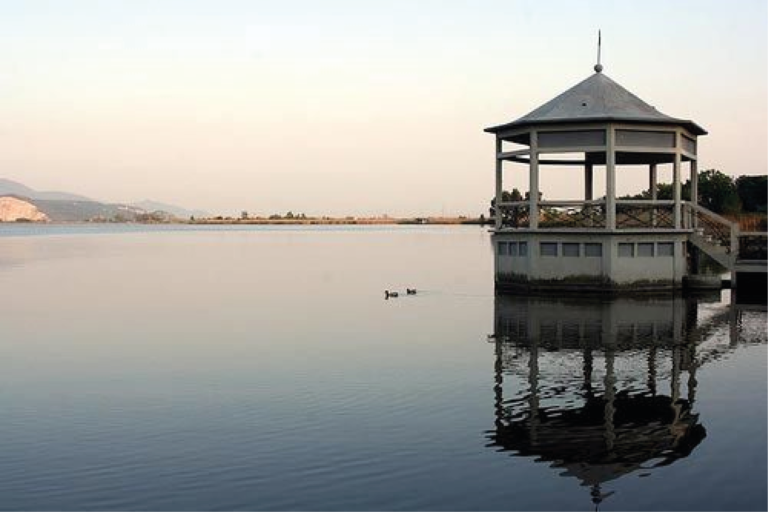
(350, 221)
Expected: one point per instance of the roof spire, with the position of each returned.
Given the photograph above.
(598, 66)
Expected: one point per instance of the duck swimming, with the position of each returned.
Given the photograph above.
(388, 294)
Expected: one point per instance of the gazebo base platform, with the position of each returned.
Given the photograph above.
(584, 261)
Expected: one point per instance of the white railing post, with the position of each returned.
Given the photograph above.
(734, 242)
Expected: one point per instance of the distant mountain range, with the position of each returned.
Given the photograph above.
(14, 188)
(68, 207)
(177, 211)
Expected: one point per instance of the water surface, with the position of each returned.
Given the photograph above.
(261, 368)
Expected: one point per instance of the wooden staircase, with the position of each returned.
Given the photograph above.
(721, 240)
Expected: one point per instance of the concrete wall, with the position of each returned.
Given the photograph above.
(622, 264)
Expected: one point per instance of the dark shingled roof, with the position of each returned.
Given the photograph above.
(598, 98)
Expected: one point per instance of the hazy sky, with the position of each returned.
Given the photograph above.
(349, 107)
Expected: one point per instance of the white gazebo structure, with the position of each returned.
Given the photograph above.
(597, 241)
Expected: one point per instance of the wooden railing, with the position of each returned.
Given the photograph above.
(555, 214)
(645, 214)
(589, 214)
(713, 229)
(716, 235)
(514, 214)
(572, 214)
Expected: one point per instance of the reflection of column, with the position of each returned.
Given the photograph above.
(692, 382)
(588, 365)
(610, 395)
(498, 389)
(652, 368)
(734, 318)
(678, 319)
(533, 390)
(675, 383)
(691, 317)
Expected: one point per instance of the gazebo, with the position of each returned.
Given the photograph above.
(602, 242)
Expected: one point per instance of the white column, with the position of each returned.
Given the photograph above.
(610, 179)
(676, 187)
(694, 219)
(694, 182)
(533, 188)
(653, 179)
(499, 183)
(588, 182)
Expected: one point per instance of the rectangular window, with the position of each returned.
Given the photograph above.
(548, 248)
(513, 248)
(523, 248)
(665, 249)
(626, 250)
(645, 249)
(571, 250)
(593, 250)
(503, 249)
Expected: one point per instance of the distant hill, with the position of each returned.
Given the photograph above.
(67, 207)
(81, 211)
(14, 188)
(176, 211)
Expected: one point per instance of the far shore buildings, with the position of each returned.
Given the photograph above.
(595, 241)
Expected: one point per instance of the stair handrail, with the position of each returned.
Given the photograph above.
(733, 227)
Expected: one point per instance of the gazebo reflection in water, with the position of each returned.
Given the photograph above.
(599, 388)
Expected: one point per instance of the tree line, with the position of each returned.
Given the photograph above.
(718, 192)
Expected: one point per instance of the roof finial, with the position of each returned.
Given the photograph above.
(598, 66)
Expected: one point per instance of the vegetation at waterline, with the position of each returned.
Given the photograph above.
(302, 219)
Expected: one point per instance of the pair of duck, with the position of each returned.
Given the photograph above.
(408, 291)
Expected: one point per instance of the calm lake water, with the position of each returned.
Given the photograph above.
(177, 368)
